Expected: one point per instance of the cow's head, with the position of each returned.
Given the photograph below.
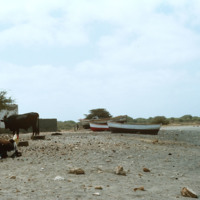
(5, 120)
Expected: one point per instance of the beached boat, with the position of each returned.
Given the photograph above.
(151, 129)
(86, 122)
(99, 127)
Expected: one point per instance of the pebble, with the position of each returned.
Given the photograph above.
(77, 171)
(120, 171)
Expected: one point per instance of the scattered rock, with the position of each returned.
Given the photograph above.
(140, 188)
(38, 137)
(186, 192)
(146, 170)
(54, 134)
(77, 171)
(155, 141)
(58, 178)
(23, 144)
(120, 171)
(98, 188)
(13, 177)
(96, 194)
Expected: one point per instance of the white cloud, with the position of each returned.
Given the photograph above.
(144, 58)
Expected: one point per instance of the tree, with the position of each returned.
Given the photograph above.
(5, 102)
(98, 113)
(160, 120)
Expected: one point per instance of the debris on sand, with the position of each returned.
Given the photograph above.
(77, 171)
(38, 137)
(146, 170)
(98, 188)
(96, 194)
(186, 192)
(139, 188)
(59, 178)
(13, 177)
(54, 134)
(120, 171)
(23, 144)
(155, 141)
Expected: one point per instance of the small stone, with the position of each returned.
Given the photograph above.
(120, 171)
(155, 141)
(23, 144)
(58, 178)
(96, 194)
(77, 171)
(140, 188)
(146, 170)
(98, 188)
(186, 192)
(13, 177)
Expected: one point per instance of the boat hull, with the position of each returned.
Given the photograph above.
(99, 127)
(151, 129)
(86, 122)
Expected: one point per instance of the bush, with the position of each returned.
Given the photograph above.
(66, 125)
(160, 120)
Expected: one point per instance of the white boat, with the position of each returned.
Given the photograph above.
(151, 129)
(86, 122)
(99, 127)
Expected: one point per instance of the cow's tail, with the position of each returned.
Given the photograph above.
(38, 125)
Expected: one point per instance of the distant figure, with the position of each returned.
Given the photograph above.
(76, 127)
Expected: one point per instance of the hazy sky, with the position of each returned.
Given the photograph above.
(62, 58)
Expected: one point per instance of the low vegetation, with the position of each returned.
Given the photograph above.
(66, 125)
(184, 120)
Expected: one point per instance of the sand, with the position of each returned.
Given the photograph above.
(42, 172)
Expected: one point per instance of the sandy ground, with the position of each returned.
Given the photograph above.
(172, 156)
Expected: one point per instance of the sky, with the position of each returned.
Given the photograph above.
(62, 58)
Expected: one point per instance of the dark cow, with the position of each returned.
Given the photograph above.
(8, 148)
(24, 121)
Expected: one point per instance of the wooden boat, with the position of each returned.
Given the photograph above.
(151, 129)
(99, 127)
(86, 122)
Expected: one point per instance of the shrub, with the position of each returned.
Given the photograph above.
(160, 120)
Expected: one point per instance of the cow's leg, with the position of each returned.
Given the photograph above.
(17, 133)
(34, 129)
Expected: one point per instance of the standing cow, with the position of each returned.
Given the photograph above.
(24, 121)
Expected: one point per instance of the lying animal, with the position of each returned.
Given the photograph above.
(8, 148)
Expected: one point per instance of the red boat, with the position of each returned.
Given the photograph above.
(99, 127)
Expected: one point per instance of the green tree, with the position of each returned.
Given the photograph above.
(186, 118)
(5, 102)
(98, 113)
(160, 120)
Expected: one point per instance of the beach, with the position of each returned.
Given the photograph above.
(154, 166)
